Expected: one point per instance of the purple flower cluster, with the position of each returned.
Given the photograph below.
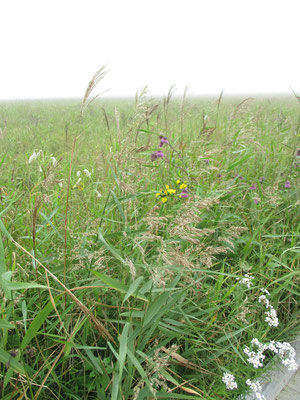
(163, 140)
(184, 194)
(159, 154)
(287, 185)
(156, 155)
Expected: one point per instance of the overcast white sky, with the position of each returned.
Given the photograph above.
(51, 48)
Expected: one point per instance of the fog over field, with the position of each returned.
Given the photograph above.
(50, 48)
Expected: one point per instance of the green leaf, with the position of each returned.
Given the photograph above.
(155, 307)
(94, 360)
(4, 324)
(3, 271)
(110, 248)
(133, 287)
(37, 323)
(119, 206)
(238, 162)
(5, 231)
(24, 313)
(115, 387)
(4, 278)
(48, 221)
(22, 285)
(111, 282)
(6, 358)
(139, 368)
(2, 259)
(123, 349)
(117, 285)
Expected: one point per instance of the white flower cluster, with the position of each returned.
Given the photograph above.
(256, 388)
(287, 354)
(34, 156)
(78, 173)
(271, 315)
(285, 351)
(255, 358)
(246, 280)
(54, 161)
(87, 173)
(229, 381)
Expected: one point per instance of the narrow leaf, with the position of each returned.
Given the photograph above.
(36, 324)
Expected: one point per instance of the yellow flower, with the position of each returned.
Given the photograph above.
(171, 191)
(183, 186)
(178, 181)
(157, 194)
(167, 186)
(164, 199)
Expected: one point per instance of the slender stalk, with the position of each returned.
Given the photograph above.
(66, 216)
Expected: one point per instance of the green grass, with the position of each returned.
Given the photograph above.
(133, 298)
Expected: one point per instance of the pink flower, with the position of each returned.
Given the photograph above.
(184, 194)
(287, 185)
(253, 187)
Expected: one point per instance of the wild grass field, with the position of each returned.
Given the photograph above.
(149, 246)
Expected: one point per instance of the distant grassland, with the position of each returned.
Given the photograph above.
(107, 292)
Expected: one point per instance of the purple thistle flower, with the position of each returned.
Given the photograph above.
(261, 179)
(157, 154)
(184, 194)
(241, 177)
(256, 201)
(206, 162)
(163, 140)
(253, 187)
(287, 185)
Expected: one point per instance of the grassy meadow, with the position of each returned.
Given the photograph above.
(113, 285)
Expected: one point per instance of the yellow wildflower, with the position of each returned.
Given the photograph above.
(157, 194)
(178, 181)
(167, 186)
(171, 191)
(164, 199)
(183, 186)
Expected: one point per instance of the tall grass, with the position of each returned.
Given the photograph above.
(153, 307)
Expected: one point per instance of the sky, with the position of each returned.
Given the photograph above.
(52, 48)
